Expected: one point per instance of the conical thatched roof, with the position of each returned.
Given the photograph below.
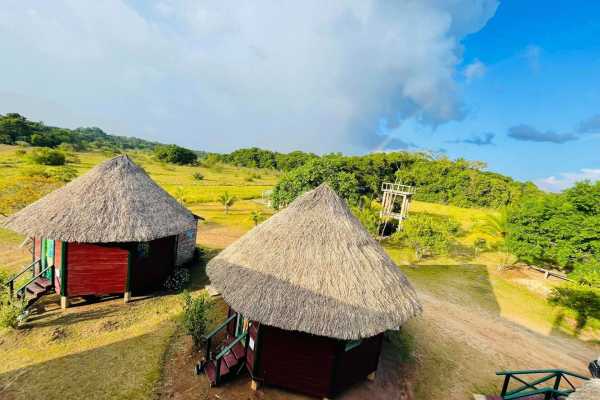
(116, 201)
(314, 268)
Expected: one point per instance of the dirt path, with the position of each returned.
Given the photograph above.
(458, 349)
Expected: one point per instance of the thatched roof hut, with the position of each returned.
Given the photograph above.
(115, 201)
(112, 230)
(314, 291)
(314, 268)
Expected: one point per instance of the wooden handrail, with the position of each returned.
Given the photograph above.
(529, 388)
(208, 337)
(27, 268)
(219, 357)
(22, 288)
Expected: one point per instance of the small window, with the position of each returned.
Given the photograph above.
(351, 344)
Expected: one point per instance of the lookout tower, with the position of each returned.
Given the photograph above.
(395, 203)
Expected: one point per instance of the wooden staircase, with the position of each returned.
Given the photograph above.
(34, 290)
(230, 360)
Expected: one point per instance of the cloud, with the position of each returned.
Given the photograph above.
(485, 139)
(475, 70)
(530, 134)
(590, 125)
(218, 75)
(567, 179)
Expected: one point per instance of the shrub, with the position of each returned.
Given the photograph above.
(585, 301)
(587, 273)
(10, 312)
(427, 234)
(65, 174)
(20, 152)
(198, 176)
(177, 280)
(47, 157)
(175, 154)
(196, 315)
(480, 245)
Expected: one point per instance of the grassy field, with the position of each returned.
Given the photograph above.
(477, 319)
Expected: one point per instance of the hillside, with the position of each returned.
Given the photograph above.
(477, 319)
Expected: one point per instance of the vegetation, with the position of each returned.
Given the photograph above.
(196, 315)
(558, 229)
(198, 176)
(10, 311)
(260, 158)
(427, 235)
(227, 201)
(584, 301)
(256, 216)
(16, 129)
(175, 154)
(47, 157)
(438, 180)
(178, 279)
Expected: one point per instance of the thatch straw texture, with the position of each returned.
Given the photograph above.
(314, 268)
(590, 390)
(114, 202)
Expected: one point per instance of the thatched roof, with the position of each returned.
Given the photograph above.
(590, 390)
(116, 201)
(314, 268)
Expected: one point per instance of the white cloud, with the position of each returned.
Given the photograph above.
(218, 75)
(568, 179)
(475, 70)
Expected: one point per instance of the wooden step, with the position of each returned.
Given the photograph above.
(211, 371)
(35, 289)
(239, 351)
(43, 282)
(230, 360)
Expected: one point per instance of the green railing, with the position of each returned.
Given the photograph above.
(222, 353)
(550, 392)
(10, 284)
(20, 291)
(208, 337)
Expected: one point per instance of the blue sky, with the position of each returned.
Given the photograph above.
(514, 83)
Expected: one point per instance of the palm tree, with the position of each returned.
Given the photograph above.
(497, 226)
(256, 216)
(227, 201)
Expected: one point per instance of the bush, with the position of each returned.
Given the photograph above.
(177, 280)
(47, 157)
(175, 154)
(427, 234)
(198, 176)
(585, 301)
(65, 174)
(196, 315)
(10, 312)
(20, 152)
(587, 273)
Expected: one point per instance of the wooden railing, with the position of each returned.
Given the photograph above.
(219, 357)
(10, 284)
(397, 187)
(20, 291)
(208, 337)
(532, 388)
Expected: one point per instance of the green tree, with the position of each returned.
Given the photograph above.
(47, 157)
(227, 201)
(585, 301)
(175, 154)
(256, 216)
(197, 315)
(427, 235)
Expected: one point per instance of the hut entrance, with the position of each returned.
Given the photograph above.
(47, 256)
(152, 262)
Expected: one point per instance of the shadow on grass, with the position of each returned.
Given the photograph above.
(124, 369)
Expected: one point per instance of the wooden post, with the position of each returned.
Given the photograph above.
(254, 385)
(127, 297)
(371, 376)
(64, 302)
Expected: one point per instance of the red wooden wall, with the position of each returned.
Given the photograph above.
(296, 360)
(95, 269)
(354, 365)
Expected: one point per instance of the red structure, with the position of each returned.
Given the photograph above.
(111, 231)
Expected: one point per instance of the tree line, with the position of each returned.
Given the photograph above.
(17, 129)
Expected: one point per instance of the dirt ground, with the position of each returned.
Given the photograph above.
(217, 236)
